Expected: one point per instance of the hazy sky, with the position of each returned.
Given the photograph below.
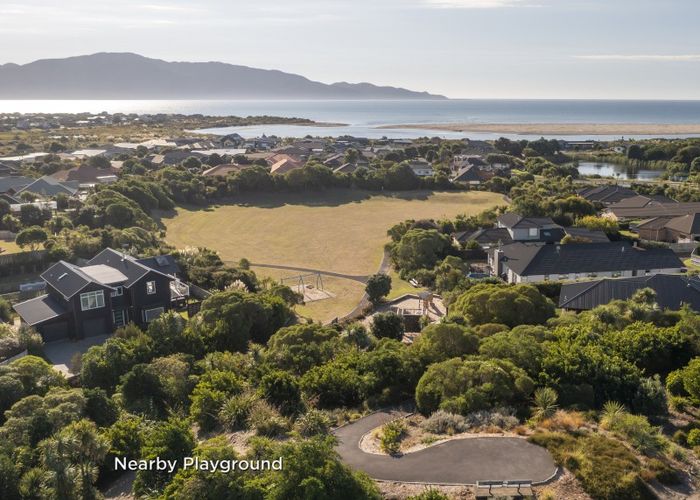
(461, 48)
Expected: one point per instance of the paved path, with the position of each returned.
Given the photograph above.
(461, 461)
(360, 278)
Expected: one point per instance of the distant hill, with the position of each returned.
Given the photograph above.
(131, 76)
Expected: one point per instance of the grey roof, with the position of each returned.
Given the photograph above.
(641, 201)
(14, 183)
(104, 274)
(607, 194)
(48, 186)
(68, 279)
(672, 291)
(126, 264)
(531, 259)
(162, 263)
(657, 210)
(39, 310)
(512, 220)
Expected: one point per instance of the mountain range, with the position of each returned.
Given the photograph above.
(131, 76)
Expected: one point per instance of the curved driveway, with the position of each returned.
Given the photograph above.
(461, 461)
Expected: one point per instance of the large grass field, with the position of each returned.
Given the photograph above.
(338, 231)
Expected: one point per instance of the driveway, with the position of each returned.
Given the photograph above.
(61, 352)
(461, 461)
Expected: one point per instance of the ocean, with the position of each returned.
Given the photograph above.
(361, 118)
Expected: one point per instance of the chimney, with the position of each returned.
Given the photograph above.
(497, 256)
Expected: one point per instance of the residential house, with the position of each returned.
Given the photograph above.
(223, 170)
(642, 201)
(86, 174)
(494, 236)
(335, 161)
(13, 184)
(530, 228)
(6, 170)
(533, 263)
(653, 210)
(472, 175)
(673, 291)
(284, 165)
(111, 290)
(48, 186)
(421, 167)
(607, 195)
(681, 229)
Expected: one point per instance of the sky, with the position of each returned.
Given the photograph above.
(583, 49)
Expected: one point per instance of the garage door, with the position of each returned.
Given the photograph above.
(55, 331)
(95, 326)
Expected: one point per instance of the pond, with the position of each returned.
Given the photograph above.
(604, 169)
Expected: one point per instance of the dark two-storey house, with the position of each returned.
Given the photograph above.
(108, 292)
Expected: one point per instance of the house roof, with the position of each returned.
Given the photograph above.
(284, 165)
(512, 220)
(84, 174)
(162, 263)
(14, 183)
(223, 170)
(68, 279)
(346, 168)
(658, 210)
(130, 267)
(39, 309)
(672, 291)
(471, 173)
(686, 224)
(48, 186)
(607, 194)
(104, 274)
(641, 201)
(531, 259)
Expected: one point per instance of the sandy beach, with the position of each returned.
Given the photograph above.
(560, 128)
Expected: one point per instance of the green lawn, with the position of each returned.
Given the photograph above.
(9, 247)
(339, 231)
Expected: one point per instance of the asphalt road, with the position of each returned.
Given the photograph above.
(461, 461)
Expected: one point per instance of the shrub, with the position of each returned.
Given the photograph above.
(662, 472)
(391, 434)
(312, 422)
(545, 403)
(234, 413)
(674, 383)
(680, 437)
(501, 418)
(694, 438)
(430, 494)
(442, 422)
(267, 420)
(606, 468)
(569, 421)
(636, 429)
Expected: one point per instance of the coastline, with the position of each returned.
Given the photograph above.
(558, 128)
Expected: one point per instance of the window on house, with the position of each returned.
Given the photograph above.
(150, 287)
(533, 231)
(119, 318)
(92, 300)
(118, 292)
(151, 314)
